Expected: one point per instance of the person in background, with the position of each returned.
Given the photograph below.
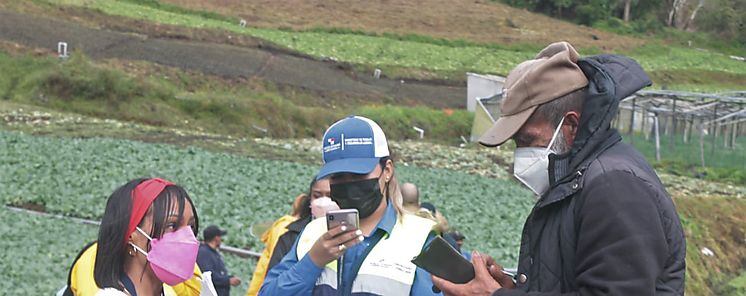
(428, 210)
(411, 203)
(316, 207)
(429, 207)
(458, 242)
(209, 259)
(280, 236)
(410, 197)
(377, 256)
(147, 217)
(269, 237)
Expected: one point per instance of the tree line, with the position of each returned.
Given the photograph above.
(726, 18)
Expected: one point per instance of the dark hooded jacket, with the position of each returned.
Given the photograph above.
(607, 226)
(286, 241)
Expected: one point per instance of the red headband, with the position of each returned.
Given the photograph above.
(142, 197)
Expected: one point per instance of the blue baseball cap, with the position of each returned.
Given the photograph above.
(352, 145)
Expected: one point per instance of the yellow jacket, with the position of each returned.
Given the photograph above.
(83, 284)
(269, 238)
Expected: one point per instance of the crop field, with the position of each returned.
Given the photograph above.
(380, 50)
(56, 242)
(33, 244)
(74, 177)
(235, 121)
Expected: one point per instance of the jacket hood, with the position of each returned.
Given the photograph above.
(611, 78)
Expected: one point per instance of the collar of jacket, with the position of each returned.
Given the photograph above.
(611, 78)
(572, 180)
(298, 225)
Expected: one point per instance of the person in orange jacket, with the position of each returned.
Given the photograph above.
(277, 236)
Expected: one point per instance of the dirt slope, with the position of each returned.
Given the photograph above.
(230, 61)
(474, 20)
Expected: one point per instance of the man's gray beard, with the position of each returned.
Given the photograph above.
(560, 146)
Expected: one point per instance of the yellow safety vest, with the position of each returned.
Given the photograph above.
(387, 270)
(270, 238)
(83, 284)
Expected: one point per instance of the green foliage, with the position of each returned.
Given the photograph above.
(723, 164)
(725, 18)
(737, 286)
(14, 71)
(722, 18)
(591, 11)
(639, 27)
(714, 222)
(74, 177)
(398, 122)
(78, 78)
(181, 10)
(586, 12)
(38, 251)
(701, 40)
(678, 167)
(655, 57)
(76, 84)
(726, 175)
(717, 27)
(412, 37)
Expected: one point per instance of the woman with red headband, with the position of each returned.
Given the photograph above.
(146, 242)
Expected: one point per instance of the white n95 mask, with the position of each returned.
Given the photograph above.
(531, 165)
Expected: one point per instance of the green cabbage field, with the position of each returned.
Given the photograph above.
(73, 177)
(37, 253)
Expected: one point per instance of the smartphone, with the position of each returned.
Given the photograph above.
(349, 217)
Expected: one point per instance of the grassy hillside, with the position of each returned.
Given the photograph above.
(162, 96)
(672, 66)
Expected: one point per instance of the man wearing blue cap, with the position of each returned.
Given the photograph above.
(377, 257)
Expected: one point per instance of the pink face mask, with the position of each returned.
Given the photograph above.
(172, 257)
(321, 205)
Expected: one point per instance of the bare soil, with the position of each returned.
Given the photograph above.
(208, 52)
(474, 20)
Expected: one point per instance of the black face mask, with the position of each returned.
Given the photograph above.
(364, 195)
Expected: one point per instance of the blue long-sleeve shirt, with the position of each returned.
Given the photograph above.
(294, 277)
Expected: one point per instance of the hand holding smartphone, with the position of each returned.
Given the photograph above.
(332, 244)
(347, 217)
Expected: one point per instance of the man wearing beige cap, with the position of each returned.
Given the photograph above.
(603, 224)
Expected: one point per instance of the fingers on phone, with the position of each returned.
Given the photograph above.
(336, 231)
(349, 238)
